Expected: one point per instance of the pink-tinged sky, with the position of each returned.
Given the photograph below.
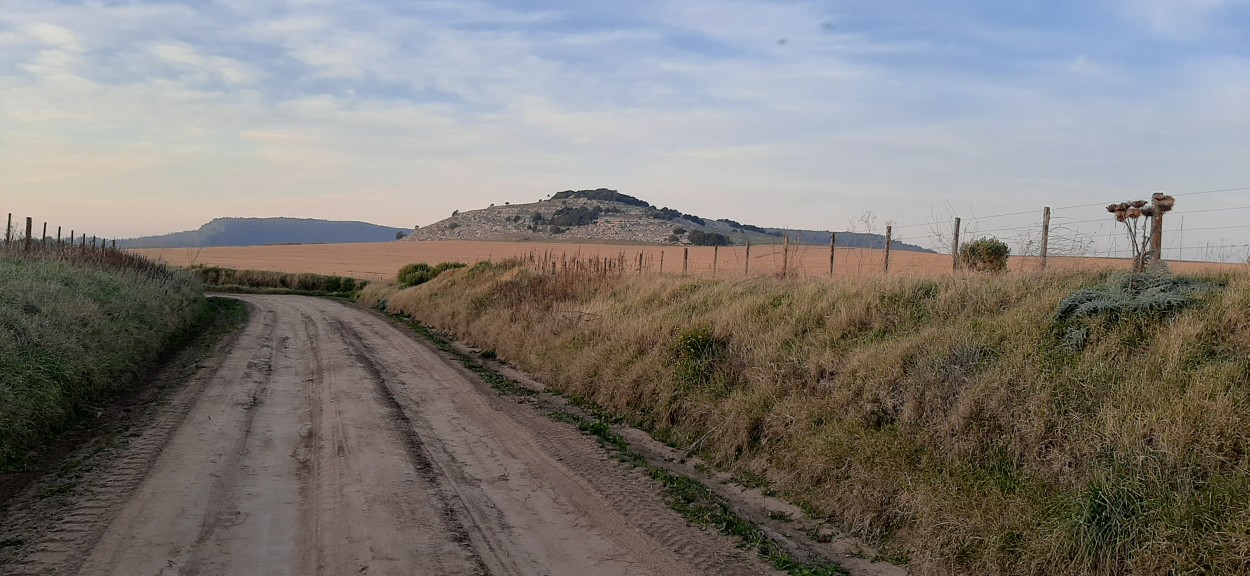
(148, 117)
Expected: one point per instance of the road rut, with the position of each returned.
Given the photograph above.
(329, 441)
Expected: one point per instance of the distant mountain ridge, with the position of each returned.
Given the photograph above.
(265, 231)
(605, 215)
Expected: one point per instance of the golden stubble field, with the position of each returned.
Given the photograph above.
(380, 261)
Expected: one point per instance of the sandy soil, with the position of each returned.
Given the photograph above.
(328, 441)
(378, 261)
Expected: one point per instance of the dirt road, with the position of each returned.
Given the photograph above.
(328, 441)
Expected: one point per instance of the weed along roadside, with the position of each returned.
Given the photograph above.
(1064, 423)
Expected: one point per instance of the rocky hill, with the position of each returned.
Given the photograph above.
(263, 231)
(604, 215)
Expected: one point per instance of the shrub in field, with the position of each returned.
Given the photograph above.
(420, 272)
(700, 238)
(985, 255)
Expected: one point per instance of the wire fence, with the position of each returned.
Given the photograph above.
(1080, 236)
(1192, 233)
(25, 235)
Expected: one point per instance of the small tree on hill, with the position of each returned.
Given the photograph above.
(985, 255)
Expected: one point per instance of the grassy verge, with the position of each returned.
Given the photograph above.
(970, 422)
(230, 280)
(685, 495)
(73, 330)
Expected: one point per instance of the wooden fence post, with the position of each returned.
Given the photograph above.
(58, 236)
(785, 256)
(955, 248)
(8, 231)
(715, 257)
(43, 240)
(29, 225)
(833, 240)
(685, 260)
(661, 261)
(1045, 234)
(114, 245)
(746, 268)
(93, 243)
(889, 236)
(1156, 230)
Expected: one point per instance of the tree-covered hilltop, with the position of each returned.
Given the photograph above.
(601, 194)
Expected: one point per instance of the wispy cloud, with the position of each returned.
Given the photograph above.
(720, 107)
(1184, 19)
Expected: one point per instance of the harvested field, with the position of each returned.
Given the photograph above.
(380, 261)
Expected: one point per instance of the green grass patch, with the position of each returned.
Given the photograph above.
(72, 332)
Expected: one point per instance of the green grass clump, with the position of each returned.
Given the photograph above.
(71, 332)
(420, 272)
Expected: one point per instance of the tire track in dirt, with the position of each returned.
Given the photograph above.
(560, 454)
(451, 508)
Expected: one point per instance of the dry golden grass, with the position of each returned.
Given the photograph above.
(941, 416)
(379, 261)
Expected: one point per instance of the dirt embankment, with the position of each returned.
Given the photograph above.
(328, 441)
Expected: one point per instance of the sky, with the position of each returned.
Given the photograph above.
(143, 117)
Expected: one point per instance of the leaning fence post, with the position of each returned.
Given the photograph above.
(43, 240)
(889, 235)
(1045, 234)
(785, 256)
(8, 231)
(833, 239)
(746, 268)
(955, 248)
